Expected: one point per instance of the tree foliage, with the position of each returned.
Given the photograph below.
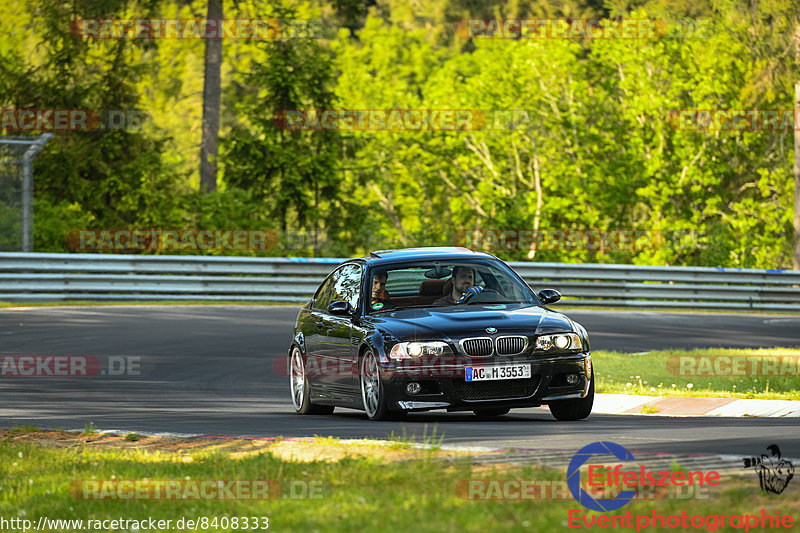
(579, 134)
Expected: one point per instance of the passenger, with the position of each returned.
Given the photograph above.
(379, 293)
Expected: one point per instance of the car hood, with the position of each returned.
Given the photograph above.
(465, 321)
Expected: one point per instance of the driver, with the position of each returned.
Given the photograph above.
(463, 278)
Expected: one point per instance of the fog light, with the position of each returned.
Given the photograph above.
(413, 388)
(572, 379)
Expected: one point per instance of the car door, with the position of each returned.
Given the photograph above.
(338, 351)
(314, 333)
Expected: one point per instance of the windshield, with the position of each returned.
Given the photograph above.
(446, 283)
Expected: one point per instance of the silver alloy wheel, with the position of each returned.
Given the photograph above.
(297, 379)
(370, 384)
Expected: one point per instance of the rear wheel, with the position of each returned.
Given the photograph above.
(301, 393)
(490, 413)
(577, 409)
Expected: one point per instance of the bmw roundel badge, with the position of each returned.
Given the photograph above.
(491, 330)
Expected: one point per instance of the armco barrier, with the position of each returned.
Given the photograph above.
(53, 277)
(63, 277)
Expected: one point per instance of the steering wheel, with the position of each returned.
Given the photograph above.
(472, 291)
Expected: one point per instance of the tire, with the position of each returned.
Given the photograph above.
(577, 409)
(298, 382)
(490, 412)
(372, 393)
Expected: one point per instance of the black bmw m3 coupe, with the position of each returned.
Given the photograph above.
(436, 328)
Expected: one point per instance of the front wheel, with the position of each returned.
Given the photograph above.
(372, 394)
(577, 409)
(301, 394)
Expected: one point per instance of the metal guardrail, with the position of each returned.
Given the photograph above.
(54, 277)
(104, 277)
(633, 286)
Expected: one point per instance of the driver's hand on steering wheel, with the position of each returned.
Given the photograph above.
(475, 289)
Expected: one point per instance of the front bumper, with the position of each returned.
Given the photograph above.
(445, 386)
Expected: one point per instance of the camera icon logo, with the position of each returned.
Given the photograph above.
(574, 477)
(774, 472)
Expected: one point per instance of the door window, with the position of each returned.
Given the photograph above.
(323, 297)
(347, 285)
(343, 285)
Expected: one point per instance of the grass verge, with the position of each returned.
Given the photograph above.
(701, 373)
(351, 494)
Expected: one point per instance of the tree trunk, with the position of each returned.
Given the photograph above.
(796, 240)
(211, 104)
(537, 180)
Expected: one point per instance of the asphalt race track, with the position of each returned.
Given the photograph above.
(209, 370)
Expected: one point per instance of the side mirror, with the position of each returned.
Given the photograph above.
(549, 296)
(340, 308)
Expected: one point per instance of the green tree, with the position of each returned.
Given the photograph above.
(293, 173)
(111, 178)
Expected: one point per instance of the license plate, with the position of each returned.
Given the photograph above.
(489, 373)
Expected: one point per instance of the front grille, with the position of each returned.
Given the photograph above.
(477, 347)
(511, 345)
(497, 389)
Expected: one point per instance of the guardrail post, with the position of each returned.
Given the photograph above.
(27, 190)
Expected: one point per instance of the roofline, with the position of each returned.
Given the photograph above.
(421, 254)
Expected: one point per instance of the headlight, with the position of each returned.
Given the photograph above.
(407, 350)
(560, 341)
